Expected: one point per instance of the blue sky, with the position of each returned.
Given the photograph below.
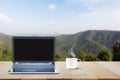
(58, 16)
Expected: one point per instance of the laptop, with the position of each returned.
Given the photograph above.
(33, 55)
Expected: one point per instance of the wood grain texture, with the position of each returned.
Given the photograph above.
(85, 71)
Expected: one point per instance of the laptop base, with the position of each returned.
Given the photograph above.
(31, 71)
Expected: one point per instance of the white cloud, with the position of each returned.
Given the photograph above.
(89, 15)
(101, 20)
(4, 19)
(93, 5)
(52, 6)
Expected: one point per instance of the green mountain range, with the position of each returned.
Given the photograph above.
(91, 41)
(5, 47)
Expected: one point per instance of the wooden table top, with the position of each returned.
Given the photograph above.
(85, 71)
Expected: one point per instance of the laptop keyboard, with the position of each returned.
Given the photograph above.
(34, 68)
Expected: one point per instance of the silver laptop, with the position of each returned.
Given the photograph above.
(33, 55)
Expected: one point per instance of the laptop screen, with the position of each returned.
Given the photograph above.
(33, 48)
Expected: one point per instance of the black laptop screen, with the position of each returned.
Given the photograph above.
(33, 48)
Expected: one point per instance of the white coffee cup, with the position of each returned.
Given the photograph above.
(71, 63)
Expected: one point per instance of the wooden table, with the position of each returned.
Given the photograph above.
(85, 71)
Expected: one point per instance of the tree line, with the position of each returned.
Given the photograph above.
(103, 55)
(5, 53)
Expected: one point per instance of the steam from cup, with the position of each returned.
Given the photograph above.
(71, 53)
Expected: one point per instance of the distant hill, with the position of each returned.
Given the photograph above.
(5, 47)
(5, 40)
(91, 41)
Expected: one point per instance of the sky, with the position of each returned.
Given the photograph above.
(58, 16)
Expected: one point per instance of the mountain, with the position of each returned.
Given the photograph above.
(5, 47)
(91, 41)
(5, 40)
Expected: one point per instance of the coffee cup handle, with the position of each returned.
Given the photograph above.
(78, 60)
